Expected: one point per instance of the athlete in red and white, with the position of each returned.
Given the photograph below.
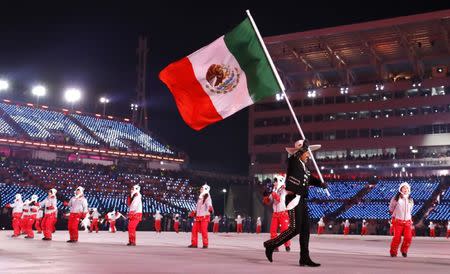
(432, 228)
(258, 225)
(320, 226)
(39, 216)
(239, 221)
(17, 211)
(280, 216)
(33, 208)
(364, 228)
(78, 209)
(176, 223)
(134, 202)
(157, 216)
(112, 217)
(95, 216)
(202, 216)
(346, 227)
(50, 210)
(216, 221)
(24, 218)
(401, 207)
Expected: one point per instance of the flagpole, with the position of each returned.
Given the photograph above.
(283, 90)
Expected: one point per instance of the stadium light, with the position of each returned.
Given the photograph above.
(4, 85)
(72, 95)
(38, 91)
(343, 90)
(134, 106)
(224, 190)
(104, 101)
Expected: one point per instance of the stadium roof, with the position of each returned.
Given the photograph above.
(383, 50)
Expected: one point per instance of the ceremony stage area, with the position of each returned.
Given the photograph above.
(227, 253)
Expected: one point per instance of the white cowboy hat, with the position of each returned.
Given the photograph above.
(299, 145)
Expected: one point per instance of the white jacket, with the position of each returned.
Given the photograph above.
(401, 209)
(136, 204)
(49, 205)
(78, 205)
(17, 206)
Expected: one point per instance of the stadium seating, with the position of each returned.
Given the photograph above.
(440, 213)
(121, 134)
(421, 190)
(45, 125)
(372, 210)
(317, 210)
(338, 190)
(6, 129)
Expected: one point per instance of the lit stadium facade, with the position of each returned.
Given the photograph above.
(376, 95)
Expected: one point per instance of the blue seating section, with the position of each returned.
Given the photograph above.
(446, 196)
(8, 193)
(338, 190)
(372, 210)
(45, 124)
(440, 213)
(6, 129)
(421, 190)
(120, 134)
(317, 210)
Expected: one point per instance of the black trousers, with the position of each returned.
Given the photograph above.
(298, 224)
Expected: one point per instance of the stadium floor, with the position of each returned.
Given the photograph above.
(228, 253)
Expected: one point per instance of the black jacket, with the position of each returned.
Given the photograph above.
(298, 179)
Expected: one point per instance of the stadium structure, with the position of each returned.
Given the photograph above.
(376, 95)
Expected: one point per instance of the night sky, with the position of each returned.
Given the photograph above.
(93, 46)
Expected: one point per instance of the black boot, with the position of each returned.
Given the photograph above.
(269, 251)
(404, 254)
(306, 261)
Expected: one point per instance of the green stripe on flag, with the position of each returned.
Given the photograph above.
(246, 48)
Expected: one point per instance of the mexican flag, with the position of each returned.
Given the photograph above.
(221, 78)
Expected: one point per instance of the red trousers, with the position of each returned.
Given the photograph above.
(346, 230)
(432, 233)
(134, 219)
(48, 225)
(176, 226)
(320, 230)
(112, 226)
(391, 230)
(401, 228)
(215, 228)
(94, 225)
(363, 231)
(448, 233)
(158, 226)
(74, 221)
(16, 223)
(239, 228)
(200, 224)
(37, 225)
(413, 232)
(23, 224)
(279, 220)
(258, 229)
(29, 225)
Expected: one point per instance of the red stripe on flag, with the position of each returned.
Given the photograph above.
(193, 103)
